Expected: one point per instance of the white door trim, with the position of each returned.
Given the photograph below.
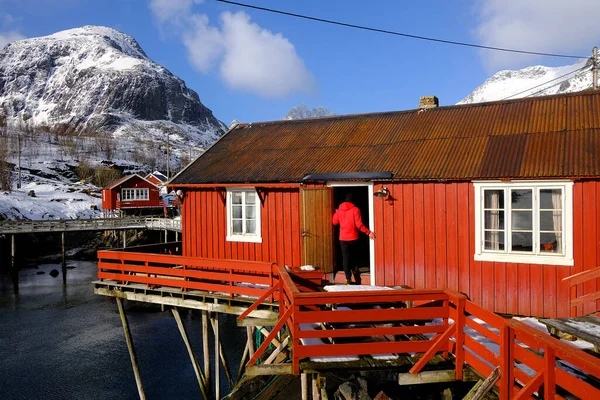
(369, 186)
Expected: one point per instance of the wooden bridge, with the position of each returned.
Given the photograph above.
(92, 224)
(424, 335)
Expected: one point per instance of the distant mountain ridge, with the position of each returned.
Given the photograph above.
(302, 112)
(514, 84)
(95, 78)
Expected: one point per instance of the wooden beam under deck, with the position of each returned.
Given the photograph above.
(191, 299)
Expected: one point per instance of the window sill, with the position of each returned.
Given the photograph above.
(525, 259)
(241, 238)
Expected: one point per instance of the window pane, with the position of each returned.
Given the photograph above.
(236, 198)
(522, 220)
(251, 226)
(494, 220)
(494, 240)
(236, 226)
(521, 199)
(236, 211)
(251, 212)
(551, 221)
(522, 241)
(551, 199)
(493, 199)
(250, 197)
(550, 243)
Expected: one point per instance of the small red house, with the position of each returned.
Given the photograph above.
(131, 193)
(157, 178)
(497, 200)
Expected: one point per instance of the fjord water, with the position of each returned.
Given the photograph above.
(65, 342)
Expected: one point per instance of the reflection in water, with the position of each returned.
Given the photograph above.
(64, 342)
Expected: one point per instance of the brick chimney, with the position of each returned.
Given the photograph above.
(428, 102)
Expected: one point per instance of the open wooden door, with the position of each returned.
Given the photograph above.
(317, 229)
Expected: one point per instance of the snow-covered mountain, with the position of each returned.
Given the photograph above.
(302, 112)
(533, 81)
(96, 79)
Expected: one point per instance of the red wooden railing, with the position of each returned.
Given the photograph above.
(580, 278)
(527, 358)
(230, 277)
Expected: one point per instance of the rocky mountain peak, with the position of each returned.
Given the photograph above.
(97, 79)
(302, 112)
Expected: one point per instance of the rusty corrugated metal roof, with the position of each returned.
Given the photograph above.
(544, 137)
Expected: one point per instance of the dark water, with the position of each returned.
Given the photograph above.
(64, 342)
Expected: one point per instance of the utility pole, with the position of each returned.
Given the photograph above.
(595, 68)
(168, 159)
(18, 159)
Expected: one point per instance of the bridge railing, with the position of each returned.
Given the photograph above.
(337, 324)
(91, 224)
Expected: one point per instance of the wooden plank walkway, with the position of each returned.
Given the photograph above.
(99, 224)
(585, 328)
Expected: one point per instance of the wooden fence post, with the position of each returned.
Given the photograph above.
(549, 373)
(507, 361)
(460, 337)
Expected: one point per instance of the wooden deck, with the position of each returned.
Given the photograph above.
(586, 328)
(437, 337)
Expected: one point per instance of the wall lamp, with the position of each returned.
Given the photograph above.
(381, 193)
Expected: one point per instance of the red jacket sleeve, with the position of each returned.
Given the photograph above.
(358, 222)
(335, 219)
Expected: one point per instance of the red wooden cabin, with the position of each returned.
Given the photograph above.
(129, 193)
(157, 178)
(496, 200)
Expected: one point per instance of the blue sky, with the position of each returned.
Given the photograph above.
(254, 66)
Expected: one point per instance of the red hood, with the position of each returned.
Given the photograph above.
(345, 206)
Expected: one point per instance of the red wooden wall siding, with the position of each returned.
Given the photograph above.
(205, 228)
(425, 239)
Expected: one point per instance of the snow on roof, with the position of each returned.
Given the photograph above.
(158, 175)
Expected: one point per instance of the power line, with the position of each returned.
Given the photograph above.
(545, 83)
(558, 83)
(407, 35)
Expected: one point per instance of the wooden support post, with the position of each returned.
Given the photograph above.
(197, 369)
(242, 363)
(316, 390)
(304, 386)
(250, 331)
(124, 238)
(479, 391)
(205, 350)
(176, 236)
(14, 271)
(222, 356)
(132, 356)
(64, 259)
(217, 345)
(166, 236)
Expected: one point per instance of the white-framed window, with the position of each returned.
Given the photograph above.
(524, 222)
(243, 215)
(135, 194)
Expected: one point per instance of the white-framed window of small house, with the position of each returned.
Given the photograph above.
(524, 222)
(243, 215)
(135, 194)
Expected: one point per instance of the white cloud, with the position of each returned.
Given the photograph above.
(247, 57)
(549, 26)
(7, 37)
(165, 10)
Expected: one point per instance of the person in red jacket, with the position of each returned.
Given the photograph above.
(350, 221)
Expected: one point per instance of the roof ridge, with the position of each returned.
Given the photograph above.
(587, 92)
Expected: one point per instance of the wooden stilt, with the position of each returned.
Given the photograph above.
(304, 386)
(14, 271)
(64, 259)
(316, 390)
(197, 370)
(124, 238)
(250, 331)
(134, 363)
(217, 346)
(166, 236)
(222, 356)
(176, 236)
(205, 350)
(242, 363)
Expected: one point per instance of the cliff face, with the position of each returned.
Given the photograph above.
(98, 79)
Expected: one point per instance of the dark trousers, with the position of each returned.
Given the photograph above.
(348, 256)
